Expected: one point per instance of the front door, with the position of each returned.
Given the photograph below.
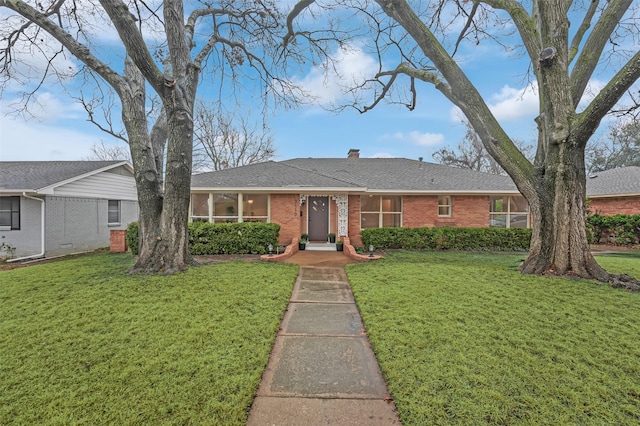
(318, 218)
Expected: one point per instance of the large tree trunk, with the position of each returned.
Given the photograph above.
(559, 242)
(164, 203)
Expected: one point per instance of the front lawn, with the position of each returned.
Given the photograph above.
(465, 339)
(82, 342)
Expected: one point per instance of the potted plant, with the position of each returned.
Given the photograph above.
(332, 237)
(302, 243)
(339, 245)
(304, 237)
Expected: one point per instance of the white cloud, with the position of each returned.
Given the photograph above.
(48, 136)
(382, 155)
(35, 141)
(514, 104)
(327, 83)
(508, 104)
(416, 138)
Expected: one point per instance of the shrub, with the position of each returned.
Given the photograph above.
(514, 239)
(620, 229)
(221, 238)
(132, 238)
(232, 238)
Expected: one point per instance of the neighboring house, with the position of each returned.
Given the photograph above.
(317, 196)
(50, 208)
(615, 191)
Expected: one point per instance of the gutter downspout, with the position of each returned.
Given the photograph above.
(42, 233)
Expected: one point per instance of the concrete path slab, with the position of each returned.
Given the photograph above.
(324, 367)
(323, 291)
(321, 319)
(322, 370)
(315, 411)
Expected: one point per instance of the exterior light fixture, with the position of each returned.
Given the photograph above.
(370, 250)
(270, 250)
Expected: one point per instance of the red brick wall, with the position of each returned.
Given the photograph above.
(285, 211)
(467, 211)
(117, 241)
(615, 205)
(354, 220)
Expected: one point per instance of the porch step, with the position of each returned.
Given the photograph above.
(320, 247)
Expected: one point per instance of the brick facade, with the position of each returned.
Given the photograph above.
(354, 220)
(615, 205)
(285, 211)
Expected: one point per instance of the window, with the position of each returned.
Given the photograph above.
(255, 207)
(225, 207)
(444, 205)
(377, 211)
(113, 212)
(509, 212)
(200, 207)
(229, 207)
(10, 213)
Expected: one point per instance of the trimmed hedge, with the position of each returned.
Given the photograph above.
(494, 239)
(222, 238)
(621, 229)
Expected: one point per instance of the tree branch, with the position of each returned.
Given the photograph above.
(125, 24)
(77, 49)
(297, 10)
(587, 122)
(584, 26)
(592, 50)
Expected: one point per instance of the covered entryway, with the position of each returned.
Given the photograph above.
(318, 218)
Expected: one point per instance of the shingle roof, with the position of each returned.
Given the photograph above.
(34, 175)
(269, 174)
(372, 174)
(621, 181)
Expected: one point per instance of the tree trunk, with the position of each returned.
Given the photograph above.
(559, 242)
(163, 219)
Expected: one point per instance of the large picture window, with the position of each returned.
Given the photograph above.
(509, 212)
(377, 211)
(229, 207)
(255, 207)
(9, 213)
(225, 207)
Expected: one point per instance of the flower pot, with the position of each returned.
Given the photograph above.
(340, 247)
(332, 239)
(301, 246)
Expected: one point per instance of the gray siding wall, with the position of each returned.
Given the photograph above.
(76, 224)
(27, 239)
(109, 185)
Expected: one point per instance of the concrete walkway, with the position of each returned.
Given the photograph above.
(322, 370)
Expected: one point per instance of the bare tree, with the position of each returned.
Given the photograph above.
(104, 152)
(471, 154)
(157, 46)
(222, 142)
(620, 148)
(413, 41)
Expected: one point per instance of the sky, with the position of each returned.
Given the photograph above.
(58, 129)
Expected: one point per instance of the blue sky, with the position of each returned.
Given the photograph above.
(60, 130)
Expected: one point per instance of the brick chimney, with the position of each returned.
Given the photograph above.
(353, 153)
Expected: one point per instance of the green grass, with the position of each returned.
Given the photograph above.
(82, 342)
(465, 339)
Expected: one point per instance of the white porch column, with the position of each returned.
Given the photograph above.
(342, 202)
